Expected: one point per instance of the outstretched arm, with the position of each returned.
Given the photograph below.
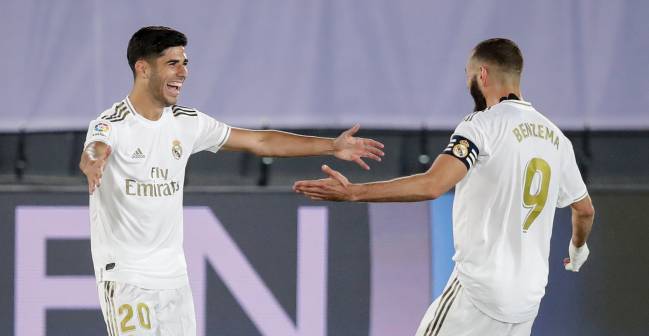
(443, 175)
(284, 144)
(93, 160)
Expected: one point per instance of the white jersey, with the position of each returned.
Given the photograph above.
(136, 214)
(521, 167)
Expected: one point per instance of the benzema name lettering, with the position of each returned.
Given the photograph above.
(526, 130)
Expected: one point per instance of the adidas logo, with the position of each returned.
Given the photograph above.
(138, 154)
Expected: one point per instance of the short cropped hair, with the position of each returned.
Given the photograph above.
(501, 52)
(151, 42)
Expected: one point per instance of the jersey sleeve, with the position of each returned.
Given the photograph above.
(571, 186)
(468, 142)
(212, 134)
(100, 130)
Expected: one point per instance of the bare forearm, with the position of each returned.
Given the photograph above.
(444, 174)
(581, 226)
(413, 188)
(583, 215)
(285, 144)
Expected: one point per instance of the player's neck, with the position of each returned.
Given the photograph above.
(503, 91)
(145, 105)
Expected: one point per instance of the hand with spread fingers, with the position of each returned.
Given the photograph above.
(336, 187)
(93, 161)
(350, 148)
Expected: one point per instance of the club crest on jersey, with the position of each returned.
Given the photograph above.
(176, 149)
(461, 149)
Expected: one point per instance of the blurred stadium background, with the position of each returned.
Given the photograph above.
(317, 67)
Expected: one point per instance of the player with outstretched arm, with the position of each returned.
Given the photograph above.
(134, 159)
(511, 167)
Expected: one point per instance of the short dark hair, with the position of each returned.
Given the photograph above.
(501, 52)
(152, 42)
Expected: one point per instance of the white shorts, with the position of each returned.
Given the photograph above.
(131, 310)
(453, 314)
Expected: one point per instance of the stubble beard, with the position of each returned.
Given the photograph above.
(156, 88)
(478, 98)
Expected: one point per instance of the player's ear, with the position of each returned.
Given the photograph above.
(484, 75)
(142, 68)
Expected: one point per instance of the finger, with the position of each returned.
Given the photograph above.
(353, 130)
(318, 196)
(305, 190)
(90, 186)
(566, 261)
(321, 189)
(373, 143)
(372, 156)
(313, 183)
(303, 182)
(570, 266)
(374, 150)
(361, 163)
(93, 185)
(302, 188)
(297, 184)
(315, 197)
(329, 171)
(350, 131)
(334, 174)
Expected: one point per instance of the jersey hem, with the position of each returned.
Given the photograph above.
(506, 318)
(518, 318)
(144, 281)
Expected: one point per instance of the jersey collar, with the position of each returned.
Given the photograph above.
(512, 98)
(143, 120)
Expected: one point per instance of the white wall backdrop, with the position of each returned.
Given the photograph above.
(327, 63)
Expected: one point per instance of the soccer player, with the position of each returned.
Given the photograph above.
(134, 159)
(511, 167)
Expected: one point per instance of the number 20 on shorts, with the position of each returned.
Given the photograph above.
(143, 317)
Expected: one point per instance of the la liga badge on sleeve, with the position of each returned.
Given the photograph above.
(101, 129)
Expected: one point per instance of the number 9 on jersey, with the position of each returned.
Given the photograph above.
(535, 190)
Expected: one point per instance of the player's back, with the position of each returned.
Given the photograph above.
(504, 208)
